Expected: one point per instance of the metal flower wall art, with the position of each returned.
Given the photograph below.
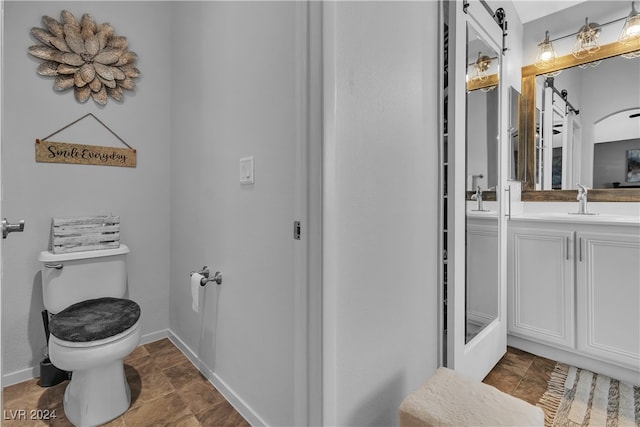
(85, 56)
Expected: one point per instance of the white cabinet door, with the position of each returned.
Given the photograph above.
(541, 285)
(608, 296)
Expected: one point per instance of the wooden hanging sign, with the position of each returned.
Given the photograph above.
(80, 154)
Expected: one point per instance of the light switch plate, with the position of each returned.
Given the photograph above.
(247, 170)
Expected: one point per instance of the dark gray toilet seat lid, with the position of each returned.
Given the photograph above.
(94, 319)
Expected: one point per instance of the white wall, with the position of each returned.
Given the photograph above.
(38, 191)
(380, 207)
(234, 95)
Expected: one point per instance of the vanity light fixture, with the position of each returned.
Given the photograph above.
(480, 78)
(587, 40)
(630, 33)
(547, 55)
(631, 30)
(480, 67)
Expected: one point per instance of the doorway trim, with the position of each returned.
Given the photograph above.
(308, 210)
(1, 199)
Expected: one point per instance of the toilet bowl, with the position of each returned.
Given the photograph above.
(98, 391)
(93, 328)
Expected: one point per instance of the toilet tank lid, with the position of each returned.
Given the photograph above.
(46, 256)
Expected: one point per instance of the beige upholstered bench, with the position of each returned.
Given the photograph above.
(449, 399)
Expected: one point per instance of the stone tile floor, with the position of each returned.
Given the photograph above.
(521, 374)
(166, 390)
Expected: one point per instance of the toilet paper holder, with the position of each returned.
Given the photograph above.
(217, 277)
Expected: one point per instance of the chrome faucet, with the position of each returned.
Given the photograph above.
(477, 196)
(582, 199)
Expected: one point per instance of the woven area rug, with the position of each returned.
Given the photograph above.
(577, 397)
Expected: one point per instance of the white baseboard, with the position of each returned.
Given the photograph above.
(154, 336)
(20, 376)
(34, 371)
(222, 387)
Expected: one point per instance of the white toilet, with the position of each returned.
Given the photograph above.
(93, 328)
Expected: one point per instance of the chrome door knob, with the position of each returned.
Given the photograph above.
(7, 227)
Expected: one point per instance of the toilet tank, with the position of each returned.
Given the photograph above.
(73, 277)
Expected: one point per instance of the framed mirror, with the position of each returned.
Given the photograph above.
(482, 173)
(549, 177)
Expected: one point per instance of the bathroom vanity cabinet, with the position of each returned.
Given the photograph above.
(575, 286)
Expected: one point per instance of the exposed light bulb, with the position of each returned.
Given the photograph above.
(633, 30)
(630, 33)
(546, 53)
